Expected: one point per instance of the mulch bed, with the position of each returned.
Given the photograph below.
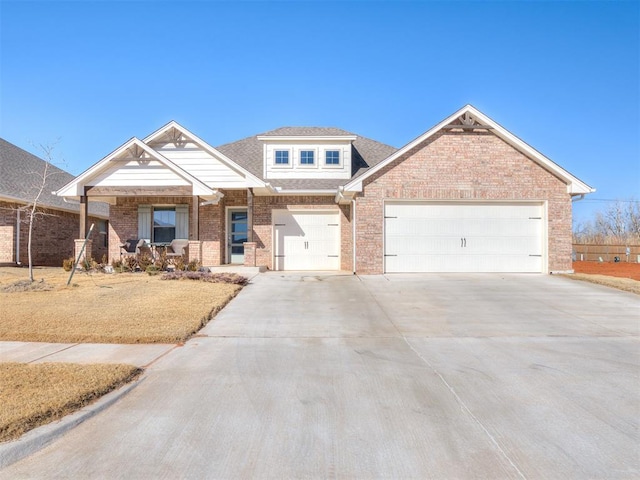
(620, 269)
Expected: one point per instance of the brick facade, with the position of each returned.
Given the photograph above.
(212, 224)
(263, 229)
(452, 166)
(54, 233)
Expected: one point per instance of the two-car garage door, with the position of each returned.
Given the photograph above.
(463, 237)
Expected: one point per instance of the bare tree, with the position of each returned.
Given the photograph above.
(618, 223)
(39, 182)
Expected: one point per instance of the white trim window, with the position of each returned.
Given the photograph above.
(163, 223)
(332, 158)
(308, 158)
(281, 158)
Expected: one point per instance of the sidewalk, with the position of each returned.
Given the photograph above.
(141, 355)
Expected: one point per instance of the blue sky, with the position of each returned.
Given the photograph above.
(563, 76)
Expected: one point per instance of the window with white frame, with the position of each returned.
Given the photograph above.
(281, 157)
(307, 157)
(163, 223)
(332, 157)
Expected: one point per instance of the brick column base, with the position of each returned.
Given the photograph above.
(195, 250)
(87, 249)
(250, 254)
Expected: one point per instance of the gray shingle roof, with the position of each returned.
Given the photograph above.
(248, 154)
(21, 176)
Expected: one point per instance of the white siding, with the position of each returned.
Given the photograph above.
(318, 170)
(202, 165)
(424, 237)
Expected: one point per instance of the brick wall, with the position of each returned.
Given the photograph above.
(53, 237)
(462, 166)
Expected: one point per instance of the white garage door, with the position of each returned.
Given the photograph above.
(306, 240)
(456, 237)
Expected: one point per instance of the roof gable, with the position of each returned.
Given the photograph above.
(469, 118)
(133, 150)
(176, 133)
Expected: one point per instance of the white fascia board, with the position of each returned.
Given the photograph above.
(305, 192)
(357, 182)
(75, 188)
(574, 185)
(307, 138)
(252, 180)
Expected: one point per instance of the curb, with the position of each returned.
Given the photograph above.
(40, 437)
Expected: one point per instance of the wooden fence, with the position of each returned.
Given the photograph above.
(592, 252)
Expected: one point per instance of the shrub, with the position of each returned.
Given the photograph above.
(152, 269)
(178, 263)
(67, 264)
(193, 265)
(145, 261)
(232, 278)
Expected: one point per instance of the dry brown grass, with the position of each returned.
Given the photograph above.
(35, 394)
(102, 308)
(626, 284)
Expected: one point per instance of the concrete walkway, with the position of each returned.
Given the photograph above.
(431, 376)
(36, 352)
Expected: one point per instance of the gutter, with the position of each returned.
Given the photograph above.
(18, 237)
(353, 231)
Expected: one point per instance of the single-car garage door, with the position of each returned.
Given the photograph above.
(306, 240)
(463, 237)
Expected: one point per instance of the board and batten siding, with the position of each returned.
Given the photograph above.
(202, 165)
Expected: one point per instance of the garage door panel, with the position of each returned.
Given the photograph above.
(306, 240)
(439, 237)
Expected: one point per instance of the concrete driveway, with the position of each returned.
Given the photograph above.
(421, 376)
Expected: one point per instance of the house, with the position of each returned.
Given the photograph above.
(54, 231)
(466, 196)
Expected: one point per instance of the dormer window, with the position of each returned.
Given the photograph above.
(307, 157)
(282, 157)
(332, 157)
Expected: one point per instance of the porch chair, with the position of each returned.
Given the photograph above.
(131, 248)
(177, 248)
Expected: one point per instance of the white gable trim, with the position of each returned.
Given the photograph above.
(75, 188)
(575, 186)
(252, 180)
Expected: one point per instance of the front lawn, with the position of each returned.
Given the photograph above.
(106, 308)
(35, 394)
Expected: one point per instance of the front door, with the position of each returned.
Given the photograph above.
(236, 235)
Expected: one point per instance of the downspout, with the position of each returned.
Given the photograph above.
(580, 197)
(353, 231)
(18, 238)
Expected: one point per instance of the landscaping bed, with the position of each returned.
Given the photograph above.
(612, 269)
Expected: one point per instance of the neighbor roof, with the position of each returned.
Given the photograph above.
(249, 152)
(21, 176)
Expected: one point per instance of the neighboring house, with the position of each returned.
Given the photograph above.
(56, 227)
(466, 196)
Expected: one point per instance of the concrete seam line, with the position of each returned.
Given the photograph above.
(449, 387)
(40, 437)
(54, 353)
(466, 409)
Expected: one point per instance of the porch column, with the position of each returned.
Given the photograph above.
(84, 214)
(249, 215)
(195, 225)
